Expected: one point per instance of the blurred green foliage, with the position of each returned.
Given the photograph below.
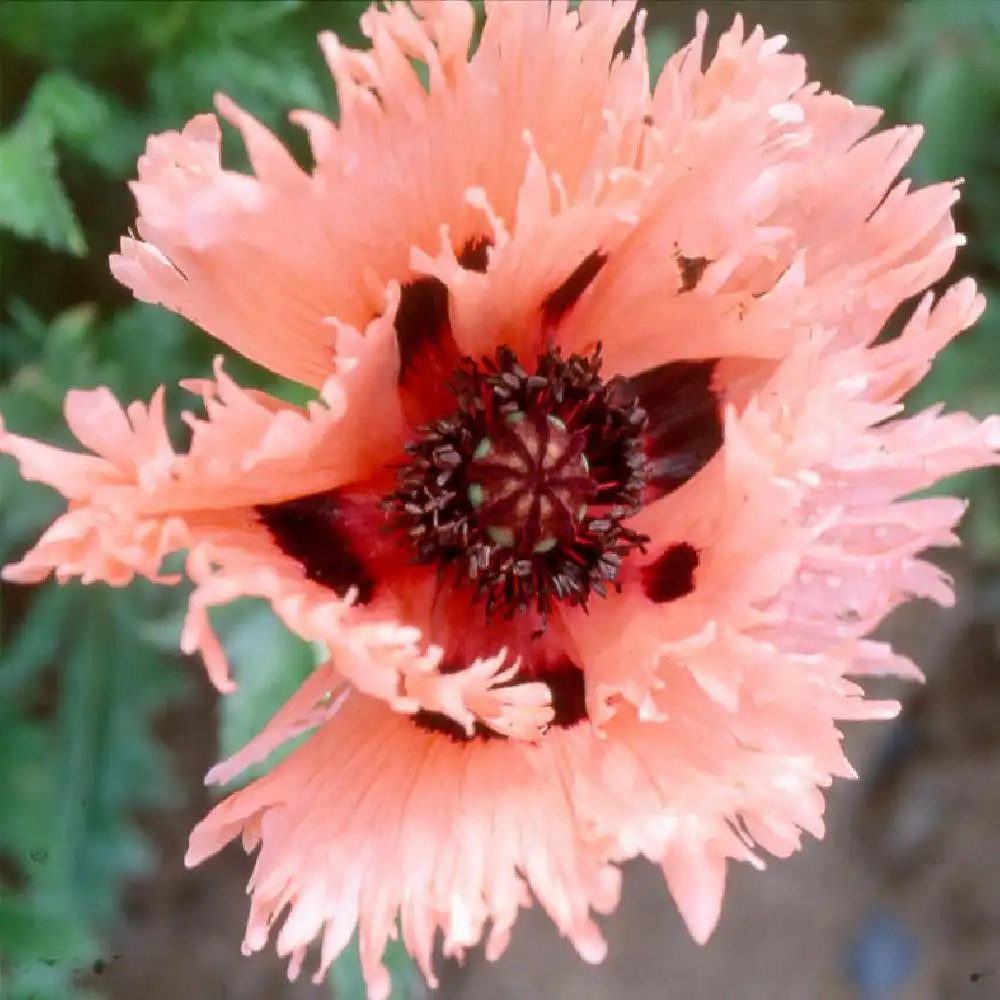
(86, 673)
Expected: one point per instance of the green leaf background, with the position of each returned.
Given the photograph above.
(87, 672)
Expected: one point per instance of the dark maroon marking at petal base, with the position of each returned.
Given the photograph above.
(428, 354)
(421, 321)
(684, 428)
(569, 693)
(692, 268)
(473, 255)
(423, 329)
(566, 295)
(671, 575)
(569, 702)
(422, 324)
(313, 531)
(445, 725)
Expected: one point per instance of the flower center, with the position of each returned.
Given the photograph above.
(523, 489)
(531, 484)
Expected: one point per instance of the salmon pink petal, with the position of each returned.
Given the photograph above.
(396, 833)
(371, 647)
(697, 883)
(109, 540)
(733, 256)
(559, 813)
(139, 502)
(246, 256)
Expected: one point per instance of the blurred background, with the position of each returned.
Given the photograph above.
(105, 733)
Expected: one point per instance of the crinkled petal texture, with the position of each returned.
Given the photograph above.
(732, 224)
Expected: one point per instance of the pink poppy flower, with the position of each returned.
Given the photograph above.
(604, 483)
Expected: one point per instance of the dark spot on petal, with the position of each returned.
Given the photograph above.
(691, 268)
(647, 120)
(313, 531)
(566, 295)
(684, 428)
(569, 699)
(569, 704)
(473, 255)
(671, 575)
(421, 320)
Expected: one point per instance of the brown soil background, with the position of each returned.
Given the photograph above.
(917, 836)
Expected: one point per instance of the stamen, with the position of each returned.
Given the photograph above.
(523, 490)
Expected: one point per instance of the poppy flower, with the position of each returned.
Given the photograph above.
(605, 480)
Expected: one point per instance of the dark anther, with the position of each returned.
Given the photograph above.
(566, 295)
(691, 268)
(671, 575)
(313, 531)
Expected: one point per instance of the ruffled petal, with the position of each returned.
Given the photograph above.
(802, 528)
(396, 833)
(248, 257)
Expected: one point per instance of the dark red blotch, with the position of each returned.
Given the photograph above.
(684, 426)
(428, 354)
(671, 575)
(315, 532)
